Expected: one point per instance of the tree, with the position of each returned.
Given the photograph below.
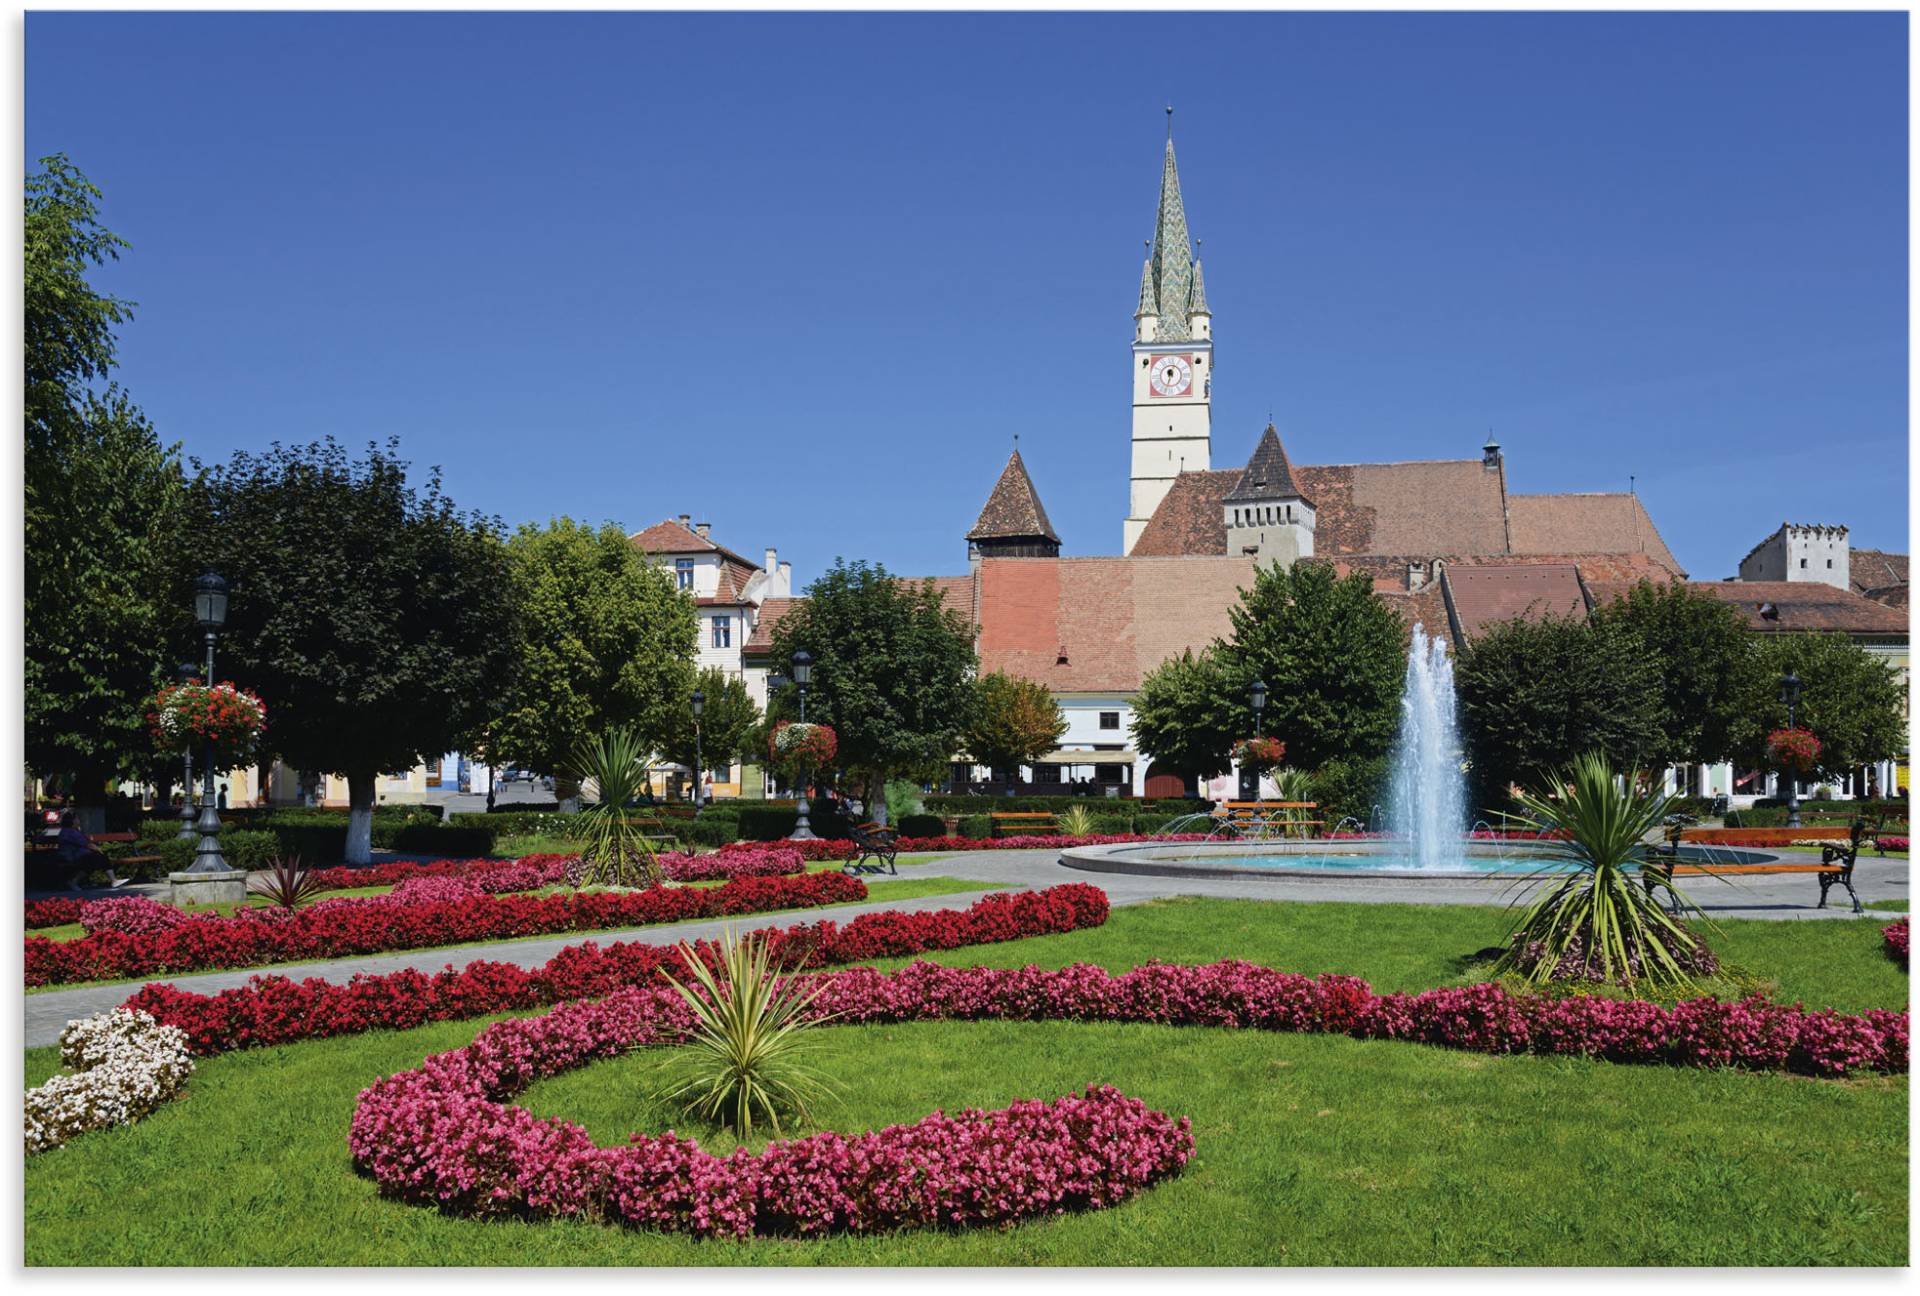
(1850, 698)
(376, 621)
(1537, 694)
(102, 501)
(1333, 658)
(605, 642)
(1014, 722)
(1706, 666)
(1183, 718)
(892, 672)
(729, 724)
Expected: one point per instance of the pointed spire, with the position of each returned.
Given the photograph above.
(1014, 511)
(1197, 304)
(1268, 475)
(1172, 252)
(1149, 305)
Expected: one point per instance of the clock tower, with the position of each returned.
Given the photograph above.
(1172, 361)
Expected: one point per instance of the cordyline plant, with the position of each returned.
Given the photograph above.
(743, 1058)
(1075, 821)
(1596, 920)
(285, 883)
(615, 849)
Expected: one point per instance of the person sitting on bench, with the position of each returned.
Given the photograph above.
(76, 850)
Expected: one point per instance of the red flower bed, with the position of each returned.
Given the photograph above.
(276, 1010)
(57, 912)
(378, 924)
(1895, 935)
(1884, 844)
(442, 1135)
(745, 859)
(130, 915)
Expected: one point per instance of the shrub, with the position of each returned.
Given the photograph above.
(285, 884)
(444, 839)
(766, 822)
(921, 825)
(707, 831)
(1349, 787)
(1109, 825)
(322, 843)
(614, 848)
(976, 826)
(1074, 821)
(953, 803)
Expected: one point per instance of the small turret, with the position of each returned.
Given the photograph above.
(1014, 523)
(1147, 316)
(1267, 517)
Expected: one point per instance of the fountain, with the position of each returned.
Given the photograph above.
(1428, 801)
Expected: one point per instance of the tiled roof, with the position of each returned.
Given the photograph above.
(1587, 523)
(669, 537)
(1483, 594)
(955, 591)
(1807, 605)
(1893, 596)
(1874, 569)
(1013, 510)
(771, 611)
(1268, 475)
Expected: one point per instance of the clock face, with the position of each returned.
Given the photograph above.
(1172, 375)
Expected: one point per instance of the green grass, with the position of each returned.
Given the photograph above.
(1311, 1150)
(877, 889)
(1887, 906)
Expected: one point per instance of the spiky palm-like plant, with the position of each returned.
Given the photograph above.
(614, 849)
(285, 883)
(1075, 821)
(743, 1061)
(1598, 916)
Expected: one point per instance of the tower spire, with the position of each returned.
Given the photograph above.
(1172, 251)
(1149, 305)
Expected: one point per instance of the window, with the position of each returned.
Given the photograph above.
(1046, 773)
(720, 774)
(1109, 719)
(1829, 564)
(683, 572)
(723, 632)
(1803, 563)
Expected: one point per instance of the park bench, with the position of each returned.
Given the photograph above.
(1263, 818)
(1021, 822)
(43, 862)
(871, 841)
(1835, 868)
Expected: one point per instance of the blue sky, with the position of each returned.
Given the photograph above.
(806, 276)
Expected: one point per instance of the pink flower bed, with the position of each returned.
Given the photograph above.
(276, 1010)
(1884, 844)
(129, 915)
(1895, 935)
(373, 925)
(745, 859)
(443, 1135)
(56, 912)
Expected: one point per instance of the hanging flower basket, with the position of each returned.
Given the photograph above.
(1796, 751)
(793, 745)
(1259, 754)
(222, 718)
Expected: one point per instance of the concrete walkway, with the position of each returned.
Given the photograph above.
(1786, 896)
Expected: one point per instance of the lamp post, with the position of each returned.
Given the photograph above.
(802, 674)
(186, 674)
(1250, 778)
(210, 612)
(1790, 694)
(699, 793)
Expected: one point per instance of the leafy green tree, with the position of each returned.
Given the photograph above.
(1706, 665)
(1535, 695)
(1183, 718)
(892, 673)
(605, 642)
(376, 621)
(1850, 697)
(729, 723)
(1014, 721)
(1333, 657)
(102, 499)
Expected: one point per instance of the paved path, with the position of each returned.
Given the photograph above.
(1788, 896)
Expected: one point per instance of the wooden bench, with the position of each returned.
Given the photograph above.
(871, 841)
(1835, 867)
(1021, 820)
(1261, 817)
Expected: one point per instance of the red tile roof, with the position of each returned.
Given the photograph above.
(1013, 510)
(1586, 524)
(1807, 605)
(669, 537)
(1876, 569)
(1483, 594)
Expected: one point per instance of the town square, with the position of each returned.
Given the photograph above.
(650, 640)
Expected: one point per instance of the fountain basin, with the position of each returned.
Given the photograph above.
(1478, 861)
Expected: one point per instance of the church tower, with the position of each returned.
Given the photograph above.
(1172, 361)
(1267, 518)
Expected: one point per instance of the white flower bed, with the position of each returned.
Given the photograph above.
(121, 1065)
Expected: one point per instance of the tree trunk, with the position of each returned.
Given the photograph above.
(360, 817)
(877, 807)
(90, 804)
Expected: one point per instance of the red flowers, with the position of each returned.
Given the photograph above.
(275, 1010)
(55, 912)
(227, 719)
(1794, 750)
(376, 924)
(1259, 754)
(1895, 935)
(793, 745)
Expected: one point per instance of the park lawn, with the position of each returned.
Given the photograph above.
(880, 889)
(1311, 1149)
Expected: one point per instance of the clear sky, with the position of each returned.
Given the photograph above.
(806, 276)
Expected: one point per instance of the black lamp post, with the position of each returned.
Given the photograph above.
(699, 794)
(186, 674)
(802, 674)
(210, 611)
(1250, 777)
(1790, 694)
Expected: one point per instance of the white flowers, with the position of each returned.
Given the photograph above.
(121, 1065)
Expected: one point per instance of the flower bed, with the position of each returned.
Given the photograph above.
(129, 915)
(374, 925)
(745, 859)
(1764, 837)
(1885, 844)
(276, 1010)
(120, 1066)
(1895, 935)
(443, 1135)
(57, 912)
(837, 848)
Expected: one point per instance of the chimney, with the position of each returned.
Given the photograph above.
(702, 528)
(686, 520)
(786, 578)
(772, 562)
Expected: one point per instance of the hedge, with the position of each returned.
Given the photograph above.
(976, 825)
(922, 825)
(444, 839)
(941, 803)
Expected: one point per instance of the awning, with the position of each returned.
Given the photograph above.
(1088, 758)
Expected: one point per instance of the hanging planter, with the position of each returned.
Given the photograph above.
(794, 745)
(1259, 754)
(221, 719)
(1795, 751)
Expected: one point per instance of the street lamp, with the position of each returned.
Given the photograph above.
(1790, 694)
(210, 612)
(802, 674)
(1250, 780)
(186, 674)
(699, 794)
